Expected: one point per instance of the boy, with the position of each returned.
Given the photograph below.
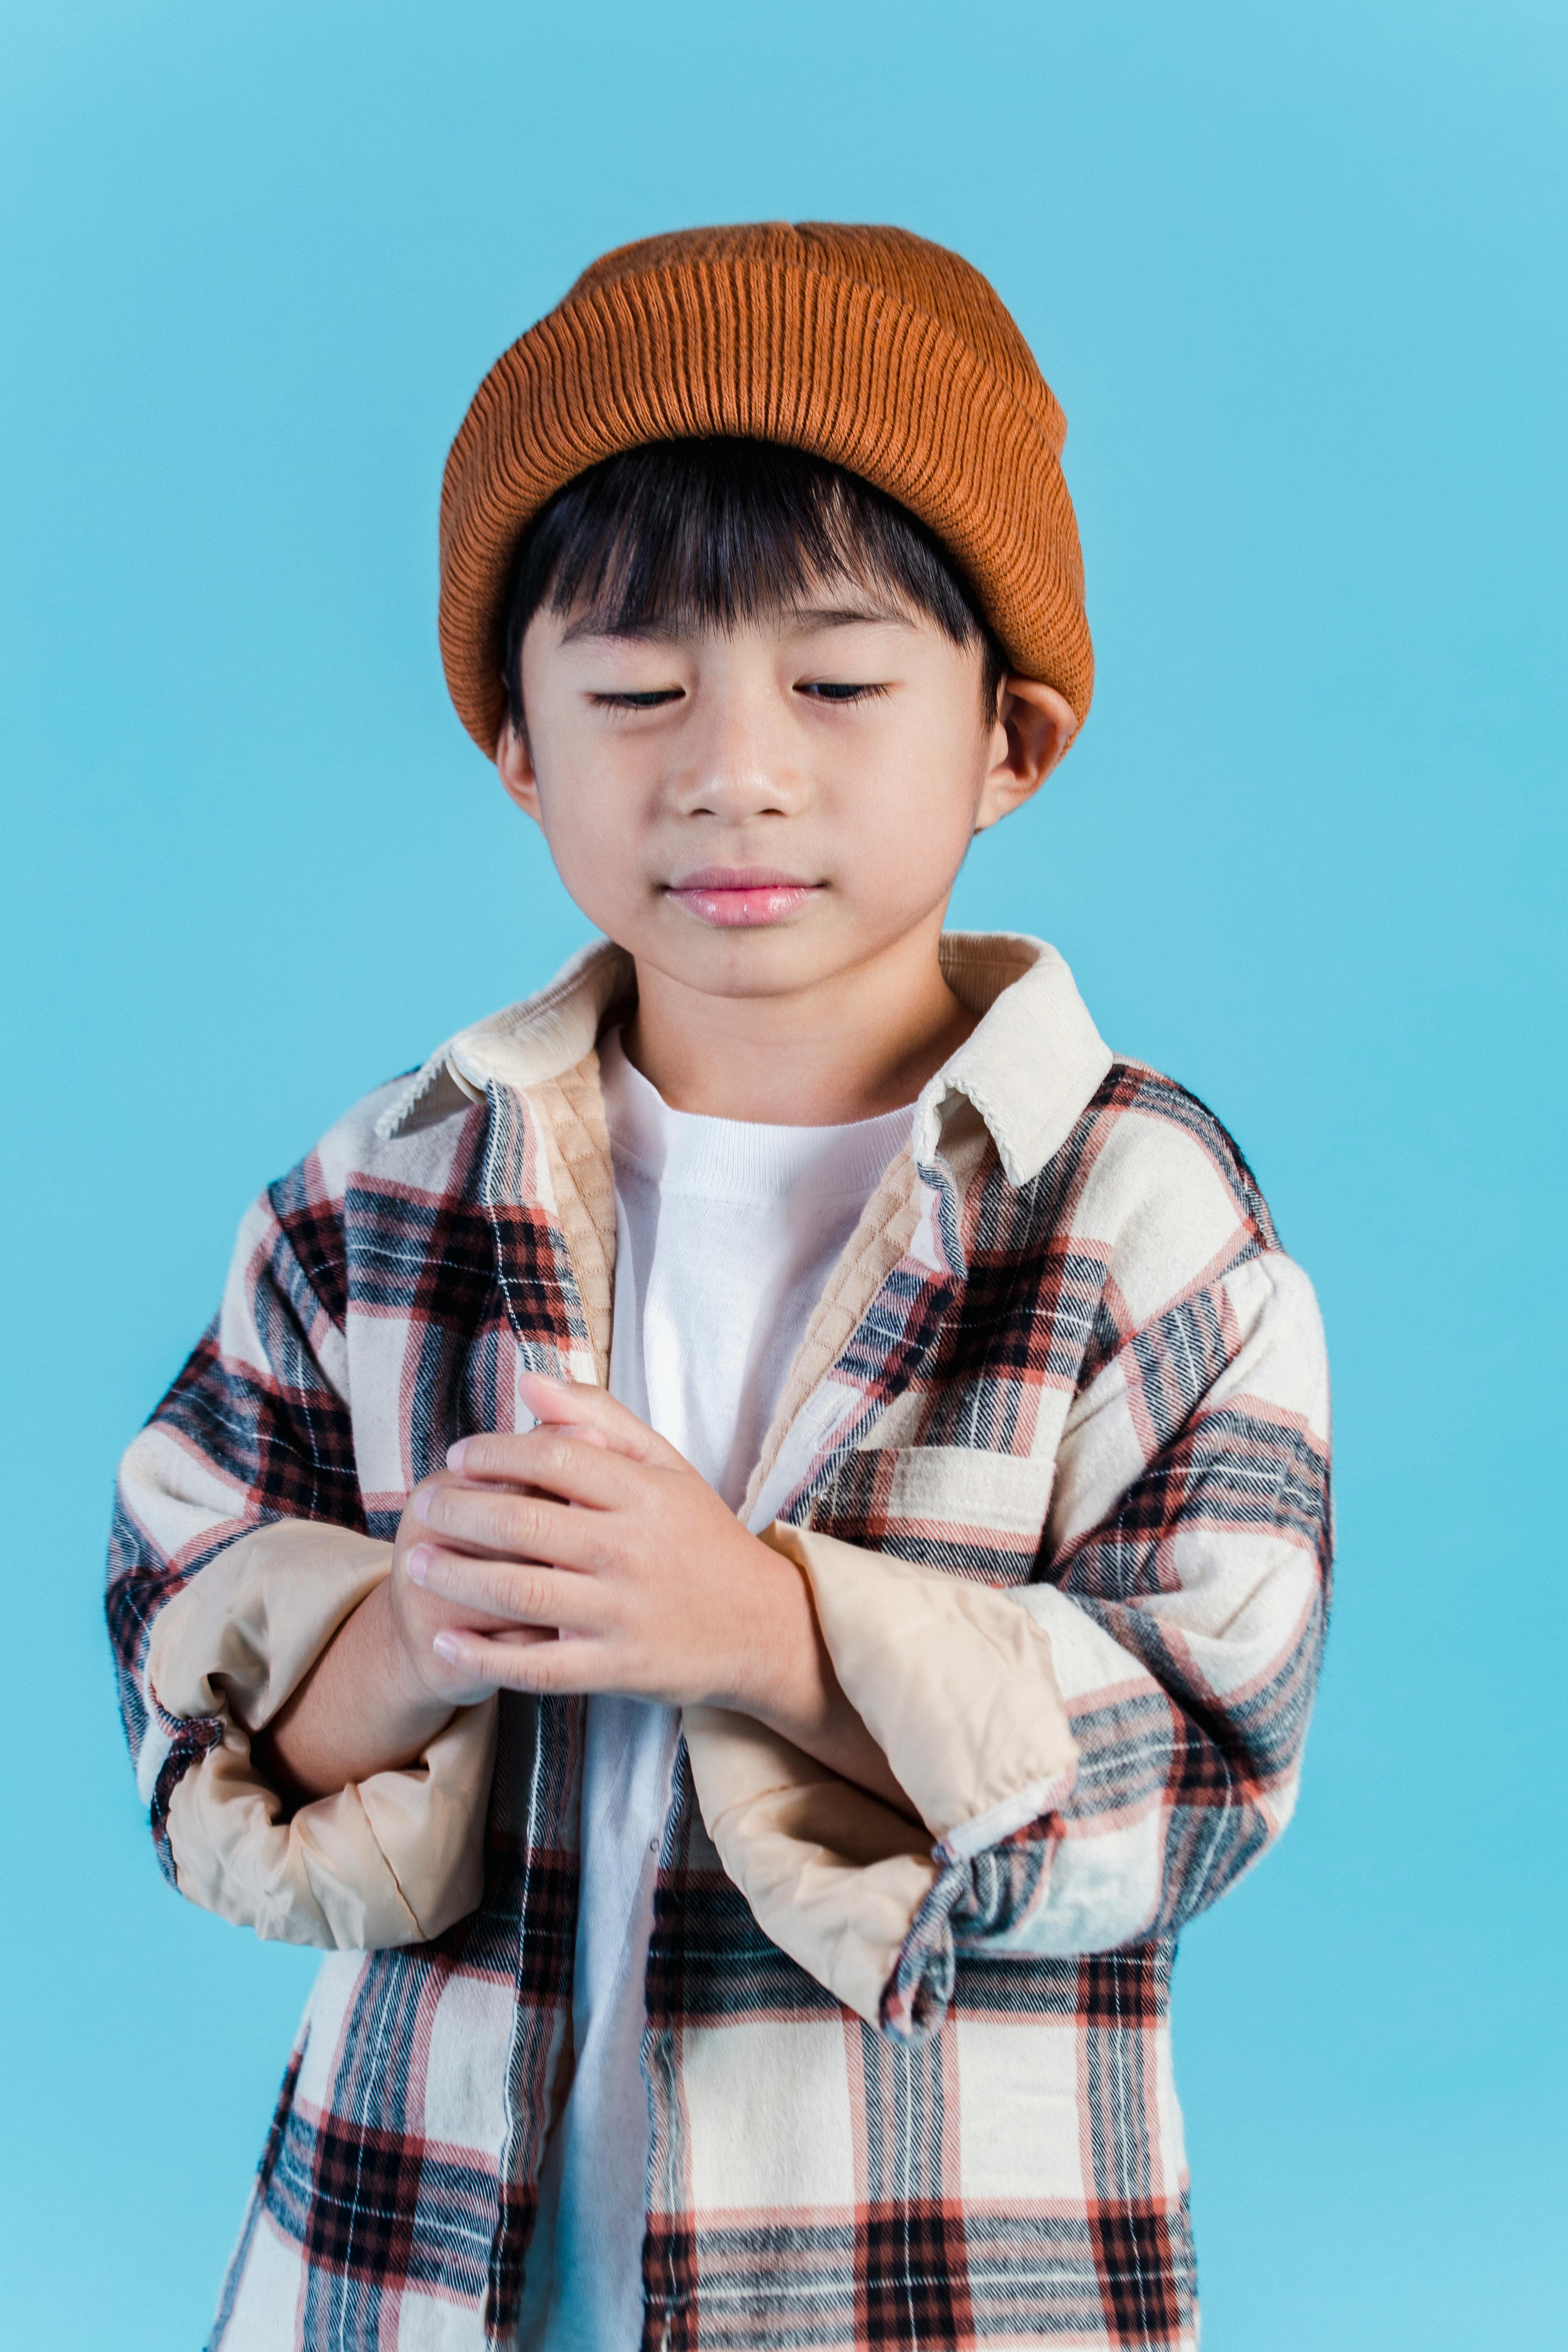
(749, 1544)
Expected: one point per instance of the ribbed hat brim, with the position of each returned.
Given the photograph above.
(777, 352)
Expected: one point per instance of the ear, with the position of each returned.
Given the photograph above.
(514, 766)
(1035, 725)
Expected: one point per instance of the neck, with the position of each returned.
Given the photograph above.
(848, 1046)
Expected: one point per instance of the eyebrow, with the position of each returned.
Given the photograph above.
(658, 630)
(849, 617)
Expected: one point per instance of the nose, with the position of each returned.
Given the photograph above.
(739, 755)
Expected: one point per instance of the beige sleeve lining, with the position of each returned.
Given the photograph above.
(571, 1115)
(393, 1860)
(955, 1682)
(833, 1876)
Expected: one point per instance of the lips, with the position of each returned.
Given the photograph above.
(735, 898)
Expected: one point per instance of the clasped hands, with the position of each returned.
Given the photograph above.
(587, 1555)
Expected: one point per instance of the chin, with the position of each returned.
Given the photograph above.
(771, 959)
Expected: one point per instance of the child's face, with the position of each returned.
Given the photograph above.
(758, 812)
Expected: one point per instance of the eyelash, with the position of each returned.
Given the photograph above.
(821, 691)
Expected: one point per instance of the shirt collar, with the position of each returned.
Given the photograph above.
(1034, 1060)
(1030, 1066)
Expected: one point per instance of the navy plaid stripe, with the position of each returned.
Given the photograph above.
(708, 1959)
(532, 1262)
(289, 1447)
(372, 2205)
(1230, 1470)
(912, 2277)
(192, 1741)
(314, 1270)
(851, 1500)
(917, 2275)
(1140, 2282)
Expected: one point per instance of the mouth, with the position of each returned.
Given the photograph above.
(736, 898)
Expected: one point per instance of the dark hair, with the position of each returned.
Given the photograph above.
(709, 533)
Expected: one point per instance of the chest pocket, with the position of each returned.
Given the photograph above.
(978, 1514)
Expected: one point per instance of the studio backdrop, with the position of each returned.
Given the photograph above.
(1297, 276)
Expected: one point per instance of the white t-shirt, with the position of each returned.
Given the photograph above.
(725, 1236)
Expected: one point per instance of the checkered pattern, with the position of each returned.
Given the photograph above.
(1101, 1387)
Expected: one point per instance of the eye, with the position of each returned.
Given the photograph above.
(651, 701)
(830, 690)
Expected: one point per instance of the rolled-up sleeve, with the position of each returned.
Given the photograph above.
(1095, 1755)
(957, 1686)
(239, 1549)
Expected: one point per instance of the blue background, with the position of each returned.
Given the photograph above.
(1297, 275)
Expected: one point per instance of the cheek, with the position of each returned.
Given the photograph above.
(586, 804)
(592, 837)
(913, 817)
(604, 881)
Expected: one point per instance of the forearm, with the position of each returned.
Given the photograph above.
(358, 1712)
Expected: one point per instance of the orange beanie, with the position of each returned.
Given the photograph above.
(868, 346)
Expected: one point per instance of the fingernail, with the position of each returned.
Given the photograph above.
(418, 1564)
(422, 1501)
(446, 1646)
(455, 1454)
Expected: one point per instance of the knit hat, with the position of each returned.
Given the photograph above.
(868, 347)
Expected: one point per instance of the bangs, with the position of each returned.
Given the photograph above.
(713, 534)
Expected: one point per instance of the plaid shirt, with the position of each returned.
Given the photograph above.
(1054, 1457)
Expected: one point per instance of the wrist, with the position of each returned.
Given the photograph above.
(782, 1657)
(413, 1710)
(361, 1710)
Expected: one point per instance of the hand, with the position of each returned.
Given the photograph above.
(587, 1555)
(381, 1690)
(418, 1614)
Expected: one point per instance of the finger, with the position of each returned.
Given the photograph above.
(493, 1453)
(526, 1595)
(472, 1621)
(544, 1668)
(465, 1684)
(594, 1408)
(551, 1460)
(449, 1488)
(510, 1524)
